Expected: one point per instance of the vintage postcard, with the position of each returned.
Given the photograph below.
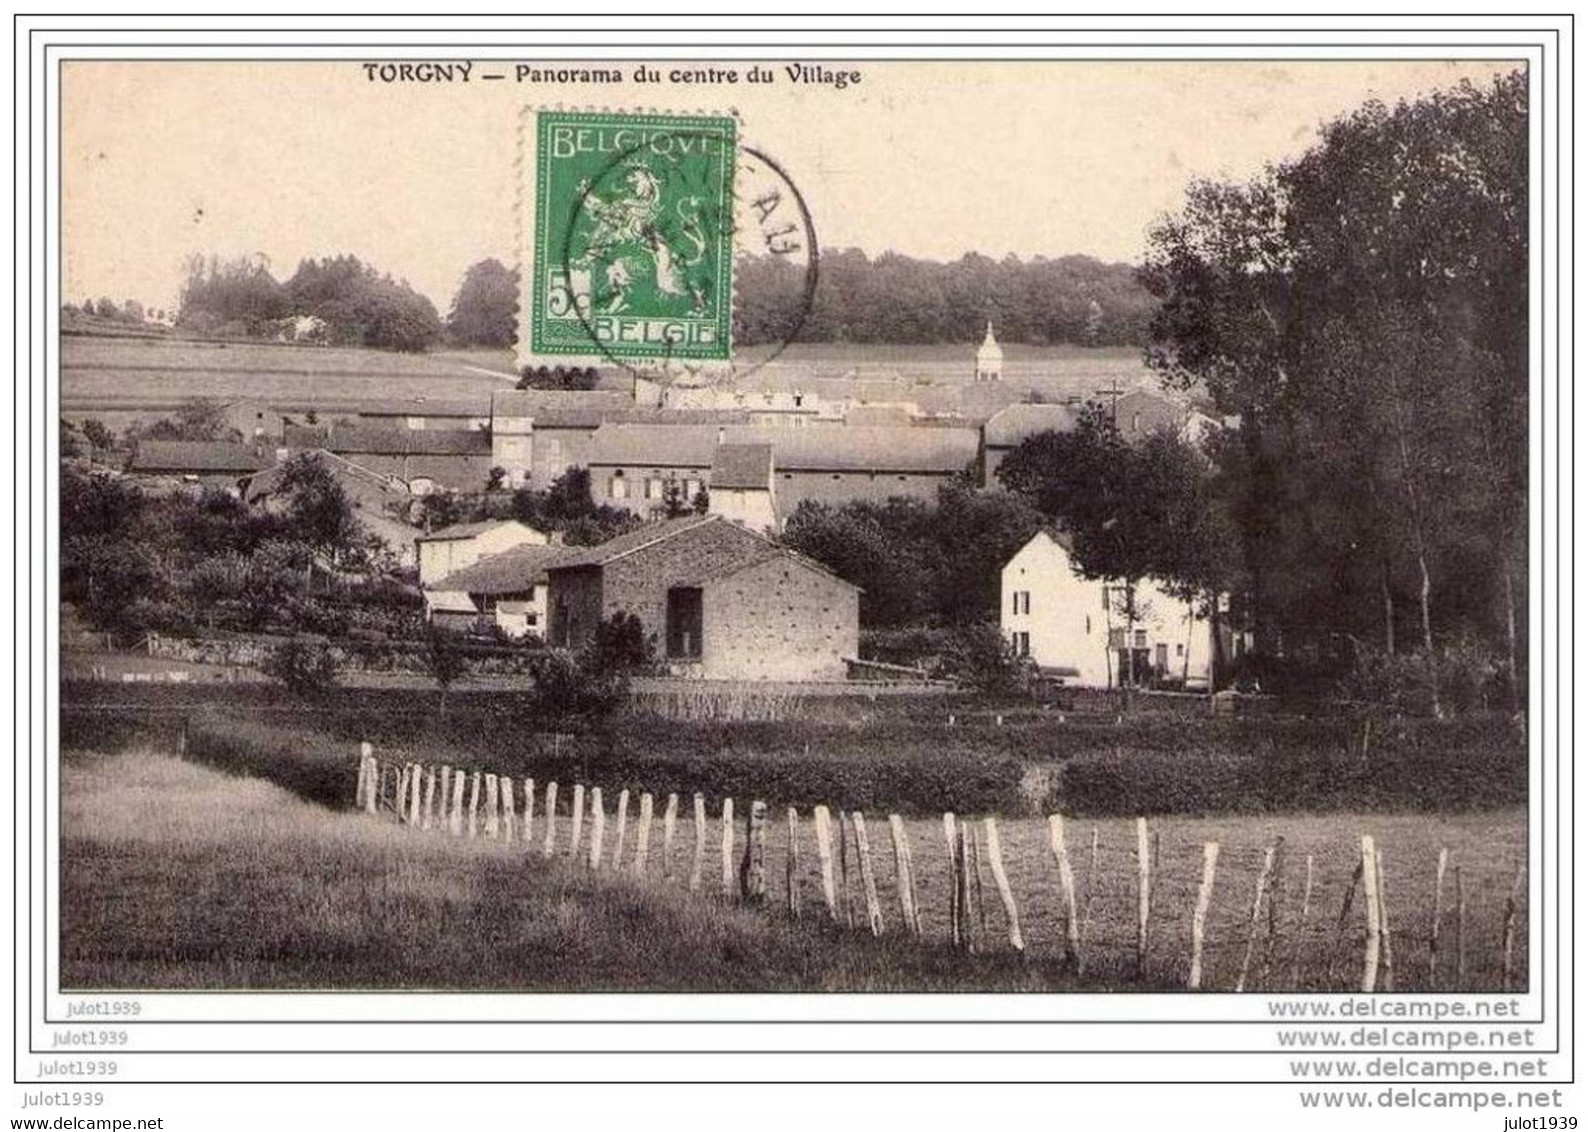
(978, 538)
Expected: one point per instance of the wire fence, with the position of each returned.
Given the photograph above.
(1209, 905)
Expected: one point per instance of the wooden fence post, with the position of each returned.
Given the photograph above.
(1439, 909)
(1340, 924)
(529, 811)
(824, 858)
(965, 929)
(1301, 928)
(727, 846)
(1513, 902)
(509, 809)
(361, 789)
(1461, 931)
(474, 805)
(598, 827)
(903, 879)
(623, 828)
(550, 846)
(415, 814)
(400, 796)
(697, 863)
(844, 854)
(1257, 910)
(1199, 917)
(955, 906)
(792, 861)
(642, 835)
(1072, 920)
(978, 898)
(995, 860)
(1091, 887)
(1276, 897)
(455, 820)
(1384, 922)
(429, 801)
(493, 806)
(752, 874)
(1370, 948)
(868, 878)
(576, 823)
(1143, 895)
(669, 822)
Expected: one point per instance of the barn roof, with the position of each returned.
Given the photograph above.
(194, 456)
(861, 448)
(742, 466)
(392, 407)
(1008, 427)
(391, 441)
(638, 539)
(655, 445)
(516, 570)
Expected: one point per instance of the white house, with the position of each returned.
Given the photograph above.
(452, 548)
(743, 488)
(1076, 629)
(507, 588)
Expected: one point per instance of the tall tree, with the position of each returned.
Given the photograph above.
(485, 308)
(1362, 309)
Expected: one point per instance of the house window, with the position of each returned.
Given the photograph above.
(1022, 601)
(653, 488)
(1162, 656)
(1023, 644)
(1105, 599)
(691, 488)
(1179, 650)
(618, 487)
(684, 622)
(1088, 624)
(1141, 638)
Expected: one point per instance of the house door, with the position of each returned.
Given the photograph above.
(685, 621)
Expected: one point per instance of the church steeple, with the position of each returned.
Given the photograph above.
(990, 358)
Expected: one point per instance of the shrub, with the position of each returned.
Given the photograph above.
(305, 666)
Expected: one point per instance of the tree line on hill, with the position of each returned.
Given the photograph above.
(338, 300)
(887, 299)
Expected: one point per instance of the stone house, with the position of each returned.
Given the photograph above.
(426, 459)
(1074, 629)
(1007, 428)
(452, 548)
(220, 463)
(506, 589)
(378, 501)
(717, 600)
(842, 463)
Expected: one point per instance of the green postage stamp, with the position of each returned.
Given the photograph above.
(633, 236)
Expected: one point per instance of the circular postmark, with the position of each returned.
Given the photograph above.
(678, 267)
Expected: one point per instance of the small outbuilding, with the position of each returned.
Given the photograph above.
(717, 600)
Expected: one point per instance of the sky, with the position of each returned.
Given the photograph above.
(288, 160)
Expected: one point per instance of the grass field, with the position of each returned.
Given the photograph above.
(163, 370)
(181, 876)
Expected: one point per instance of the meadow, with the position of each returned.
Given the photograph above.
(181, 877)
(140, 831)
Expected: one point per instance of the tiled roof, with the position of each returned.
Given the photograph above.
(742, 466)
(1008, 427)
(516, 570)
(426, 408)
(449, 601)
(391, 441)
(194, 456)
(268, 480)
(654, 445)
(721, 570)
(637, 539)
(846, 448)
(469, 530)
(580, 404)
